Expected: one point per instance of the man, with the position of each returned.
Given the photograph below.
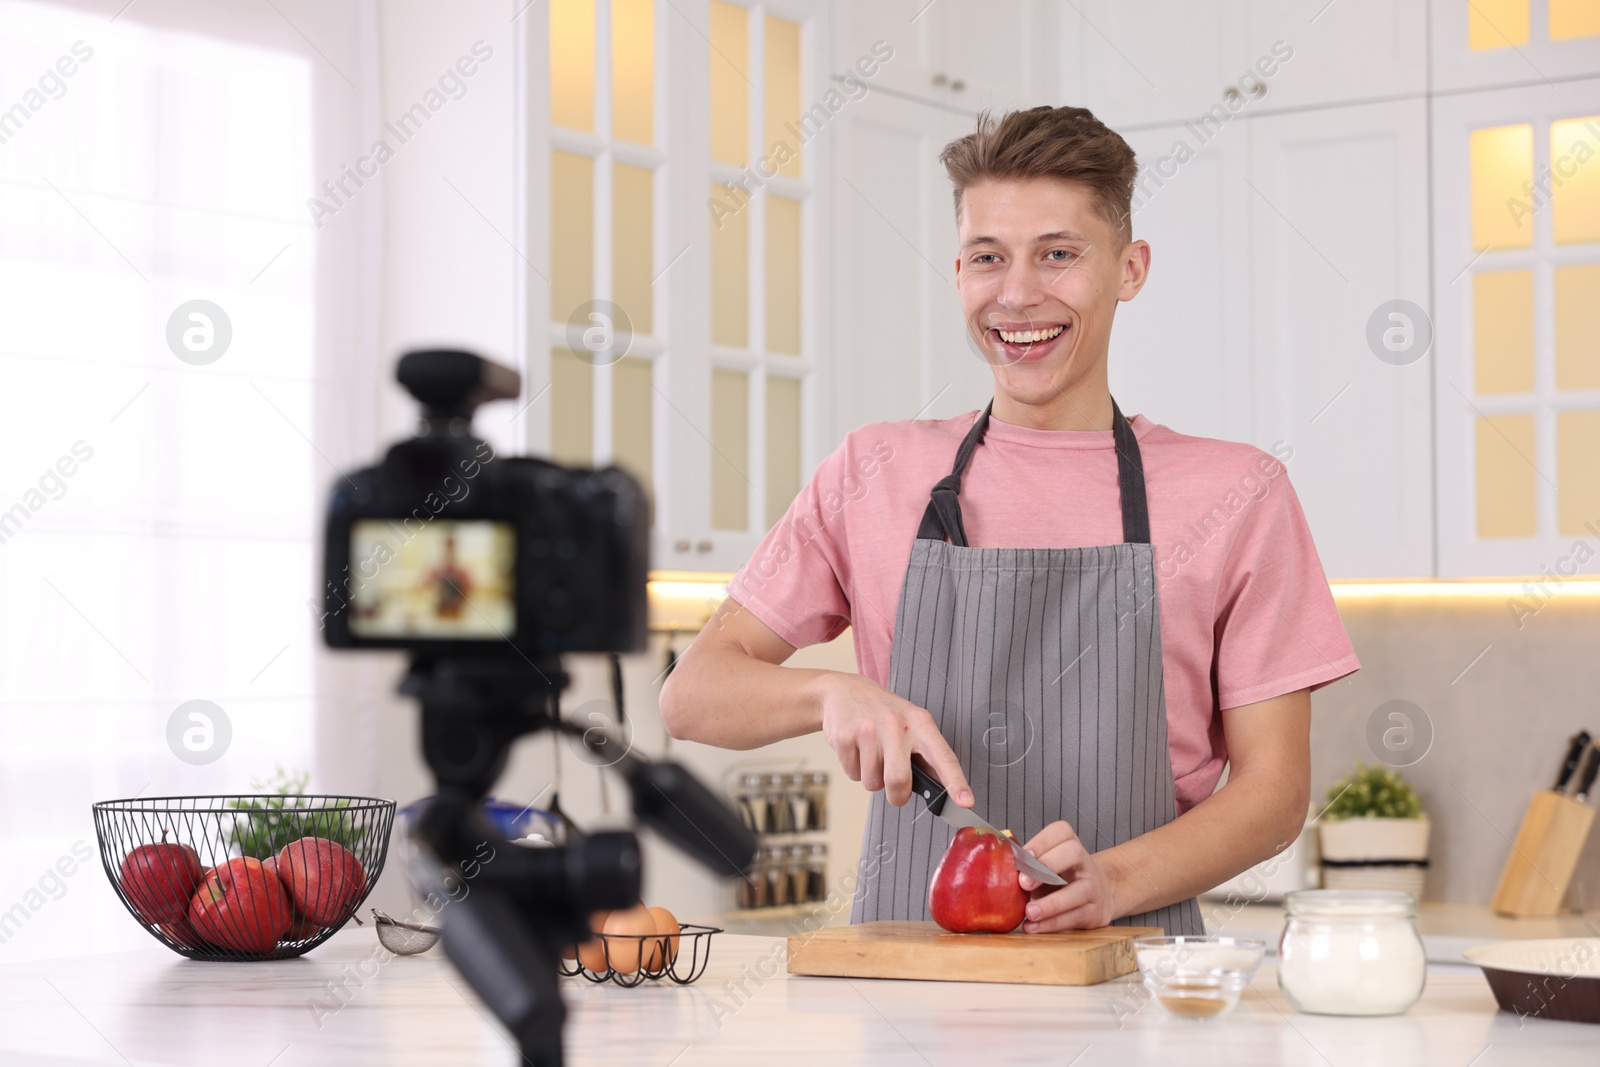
(1072, 618)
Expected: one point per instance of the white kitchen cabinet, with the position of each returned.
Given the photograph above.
(1517, 390)
(1180, 349)
(1343, 52)
(1483, 43)
(1171, 61)
(899, 337)
(966, 54)
(1338, 218)
(1157, 61)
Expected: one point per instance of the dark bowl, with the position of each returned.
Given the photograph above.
(158, 887)
(1558, 978)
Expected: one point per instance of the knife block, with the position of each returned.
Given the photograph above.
(1543, 857)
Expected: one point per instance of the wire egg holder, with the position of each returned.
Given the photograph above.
(694, 946)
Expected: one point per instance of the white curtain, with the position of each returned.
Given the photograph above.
(159, 502)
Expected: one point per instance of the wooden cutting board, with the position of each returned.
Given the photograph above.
(923, 950)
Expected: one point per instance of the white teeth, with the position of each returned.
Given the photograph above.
(1023, 337)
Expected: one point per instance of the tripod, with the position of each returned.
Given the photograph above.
(506, 934)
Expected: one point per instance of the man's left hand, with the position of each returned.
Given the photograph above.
(1087, 901)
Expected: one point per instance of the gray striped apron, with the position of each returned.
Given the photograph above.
(1042, 669)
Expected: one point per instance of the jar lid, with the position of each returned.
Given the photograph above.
(1351, 904)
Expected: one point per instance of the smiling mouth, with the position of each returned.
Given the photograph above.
(1025, 338)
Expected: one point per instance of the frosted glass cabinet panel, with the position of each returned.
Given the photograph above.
(1517, 309)
(670, 253)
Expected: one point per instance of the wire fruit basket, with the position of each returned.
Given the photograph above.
(234, 878)
(632, 959)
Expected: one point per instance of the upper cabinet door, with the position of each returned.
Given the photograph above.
(899, 341)
(1339, 236)
(1517, 292)
(1180, 349)
(961, 54)
(1482, 43)
(1315, 52)
(1159, 61)
(998, 55)
(907, 32)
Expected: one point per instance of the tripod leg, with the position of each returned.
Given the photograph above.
(514, 972)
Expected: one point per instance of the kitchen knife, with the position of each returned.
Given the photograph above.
(1580, 741)
(931, 790)
(1590, 770)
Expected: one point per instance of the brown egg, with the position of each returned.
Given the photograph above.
(627, 951)
(592, 953)
(665, 950)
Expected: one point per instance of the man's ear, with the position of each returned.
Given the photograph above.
(1135, 269)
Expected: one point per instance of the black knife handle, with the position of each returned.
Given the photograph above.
(929, 788)
(1590, 771)
(1580, 741)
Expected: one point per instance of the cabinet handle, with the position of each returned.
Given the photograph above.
(957, 85)
(939, 80)
(680, 546)
(1230, 93)
(1260, 90)
(703, 546)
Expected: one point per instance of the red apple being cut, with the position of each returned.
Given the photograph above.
(975, 886)
(159, 879)
(241, 906)
(322, 876)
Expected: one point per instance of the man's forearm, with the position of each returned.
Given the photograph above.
(1248, 820)
(725, 697)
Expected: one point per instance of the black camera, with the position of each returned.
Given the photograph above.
(445, 546)
(487, 569)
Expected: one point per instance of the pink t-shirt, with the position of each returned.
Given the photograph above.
(1246, 613)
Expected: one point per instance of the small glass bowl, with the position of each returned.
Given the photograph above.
(1197, 977)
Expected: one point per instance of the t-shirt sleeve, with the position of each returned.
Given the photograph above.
(797, 581)
(1277, 628)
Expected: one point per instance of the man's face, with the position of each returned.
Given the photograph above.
(1040, 274)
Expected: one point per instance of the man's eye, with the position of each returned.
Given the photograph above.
(1060, 255)
(985, 257)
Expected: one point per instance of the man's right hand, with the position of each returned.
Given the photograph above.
(875, 733)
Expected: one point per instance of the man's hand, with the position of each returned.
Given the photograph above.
(875, 733)
(1087, 901)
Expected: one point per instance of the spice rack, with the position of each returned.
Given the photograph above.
(788, 810)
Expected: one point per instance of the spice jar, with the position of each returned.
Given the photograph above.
(795, 867)
(817, 872)
(816, 800)
(1350, 952)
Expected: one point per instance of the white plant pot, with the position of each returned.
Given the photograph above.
(1349, 842)
(1374, 839)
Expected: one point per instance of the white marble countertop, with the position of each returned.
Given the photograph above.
(153, 1007)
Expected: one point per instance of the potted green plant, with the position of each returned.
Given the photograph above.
(1374, 833)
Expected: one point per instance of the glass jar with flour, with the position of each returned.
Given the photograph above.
(1349, 952)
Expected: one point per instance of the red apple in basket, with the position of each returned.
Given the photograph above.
(182, 933)
(322, 876)
(159, 879)
(241, 906)
(975, 886)
(300, 927)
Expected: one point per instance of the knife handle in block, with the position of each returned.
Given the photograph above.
(1544, 856)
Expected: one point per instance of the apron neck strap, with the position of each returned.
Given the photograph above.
(942, 519)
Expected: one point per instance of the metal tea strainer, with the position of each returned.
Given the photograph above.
(403, 938)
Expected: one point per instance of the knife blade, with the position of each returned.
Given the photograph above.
(1579, 742)
(937, 797)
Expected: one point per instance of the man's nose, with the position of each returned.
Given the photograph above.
(1022, 288)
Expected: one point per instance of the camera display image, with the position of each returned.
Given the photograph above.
(448, 579)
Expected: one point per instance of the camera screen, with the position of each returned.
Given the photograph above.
(445, 579)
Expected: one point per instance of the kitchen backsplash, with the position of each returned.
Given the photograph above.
(1500, 701)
